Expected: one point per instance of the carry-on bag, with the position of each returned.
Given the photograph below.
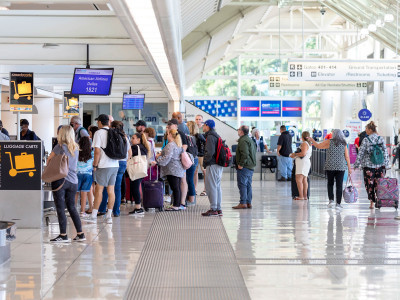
(350, 193)
(387, 193)
(153, 194)
(137, 166)
(295, 191)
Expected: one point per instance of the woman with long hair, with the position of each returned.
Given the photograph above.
(171, 167)
(372, 171)
(303, 165)
(138, 141)
(191, 172)
(337, 162)
(65, 196)
(85, 172)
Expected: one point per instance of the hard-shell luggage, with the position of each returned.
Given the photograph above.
(387, 193)
(295, 191)
(153, 194)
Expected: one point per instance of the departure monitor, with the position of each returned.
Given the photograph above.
(133, 101)
(92, 81)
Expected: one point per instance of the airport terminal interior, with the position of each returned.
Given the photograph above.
(304, 93)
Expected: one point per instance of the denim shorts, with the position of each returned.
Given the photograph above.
(105, 176)
(84, 182)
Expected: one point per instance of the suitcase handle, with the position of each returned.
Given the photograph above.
(24, 153)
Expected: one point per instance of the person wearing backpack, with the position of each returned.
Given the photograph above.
(212, 180)
(373, 157)
(109, 147)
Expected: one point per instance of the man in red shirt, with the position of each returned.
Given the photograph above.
(357, 142)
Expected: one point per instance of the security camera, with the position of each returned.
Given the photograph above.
(322, 10)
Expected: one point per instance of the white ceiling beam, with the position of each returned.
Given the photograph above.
(276, 51)
(300, 31)
(272, 3)
(65, 40)
(50, 12)
(30, 61)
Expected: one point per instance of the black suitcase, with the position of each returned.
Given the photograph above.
(153, 194)
(295, 191)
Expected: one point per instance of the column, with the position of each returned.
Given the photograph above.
(43, 122)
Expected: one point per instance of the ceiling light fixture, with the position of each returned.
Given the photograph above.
(372, 27)
(388, 18)
(50, 46)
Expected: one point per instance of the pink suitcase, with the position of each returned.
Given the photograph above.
(387, 192)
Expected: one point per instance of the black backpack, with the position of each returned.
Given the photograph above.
(192, 147)
(116, 144)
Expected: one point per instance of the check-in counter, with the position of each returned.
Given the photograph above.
(21, 195)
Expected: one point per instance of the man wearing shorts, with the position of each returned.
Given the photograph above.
(105, 171)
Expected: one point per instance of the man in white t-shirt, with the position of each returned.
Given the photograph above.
(105, 170)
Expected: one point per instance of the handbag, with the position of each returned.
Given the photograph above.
(350, 193)
(56, 169)
(187, 160)
(137, 166)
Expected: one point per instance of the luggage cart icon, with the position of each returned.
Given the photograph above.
(23, 163)
(72, 103)
(24, 89)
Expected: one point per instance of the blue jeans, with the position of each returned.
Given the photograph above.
(244, 179)
(285, 166)
(117, 191)
(190, 178)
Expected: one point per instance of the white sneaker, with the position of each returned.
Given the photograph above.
(330, 205)
(397, 218)
(339, 207)
(89, 219)
(108, 220)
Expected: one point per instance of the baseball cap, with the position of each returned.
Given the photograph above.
(140, 123)
(172, 122)
(210, 123)
(102, 118)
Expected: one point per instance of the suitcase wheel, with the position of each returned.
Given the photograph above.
(160, 208)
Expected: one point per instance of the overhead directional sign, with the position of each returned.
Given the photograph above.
(279, 81)
(344, 70)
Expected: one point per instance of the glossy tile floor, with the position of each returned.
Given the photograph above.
(284, 249)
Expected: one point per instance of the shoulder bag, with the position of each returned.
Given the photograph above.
(137, 166)
(56, 169)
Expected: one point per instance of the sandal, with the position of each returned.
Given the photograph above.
(203, 193)
(297, 198)
(172, 209)
(88, 212)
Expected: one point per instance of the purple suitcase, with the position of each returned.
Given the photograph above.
(387, 193)
(153, 194)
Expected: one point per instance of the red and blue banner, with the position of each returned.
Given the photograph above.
(271, 108)
(250, 108)
(291, 108)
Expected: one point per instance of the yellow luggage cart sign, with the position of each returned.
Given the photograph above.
(21, 91)
(20, 165)
(71, 105)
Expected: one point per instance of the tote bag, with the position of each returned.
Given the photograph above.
(56, 169)
(137, 166)
(350, 193)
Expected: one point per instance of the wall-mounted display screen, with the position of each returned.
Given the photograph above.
(133, 101)
(291, 108)
(92, 81)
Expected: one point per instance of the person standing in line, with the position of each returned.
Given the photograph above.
(138, 140)
(372, 171)
(171, 167)
(80, 131)
(303, 166)
(26, 134)
(65, 196)
(140, 126)
(150, 134)
(337, 162)
(284, 150)
(191, 172)
(245, 164)
(85, 172)
(181, 125)
(212, 181)
(259, 141)
(105, 171)
(3, 130)
(201, 142)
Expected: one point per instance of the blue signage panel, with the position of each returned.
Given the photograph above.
(364, 115)
(317, 134)
(271, 108)
(346, 133)
(291, 108)
(209, 106)
(92, 81)
(250, 108)
(133, 101)
(291, 132)
(227, 108)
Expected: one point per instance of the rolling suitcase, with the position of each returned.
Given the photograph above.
(387, 193)
(153, 194)
(295, 191)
